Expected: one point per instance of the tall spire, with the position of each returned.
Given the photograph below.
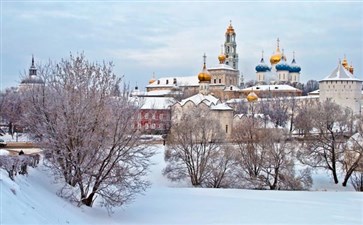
(204, 61)
(278, 45)
(262, 60)
(293, 57)
(33, 60)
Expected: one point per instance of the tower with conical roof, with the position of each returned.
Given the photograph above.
(342, 88)
(230, 47)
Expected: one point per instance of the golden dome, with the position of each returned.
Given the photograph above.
(251, 97)
(275, 58)
(345, 63)
(152, 80)
(222, 58)
(204, 76)
(230, 28)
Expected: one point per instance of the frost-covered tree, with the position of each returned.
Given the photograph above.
(352, 160)
(11, 109)
(195, 150)
(266, 160)
(87, 132)
(326, 149)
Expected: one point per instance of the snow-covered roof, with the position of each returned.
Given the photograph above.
(198, 98)
(231, 88)
(222, 66)
(340, 73)
(221, 106)
(157, 102)
(157, 93)
(283, 87)
(209, 100)
(316, 92)
(180, 81)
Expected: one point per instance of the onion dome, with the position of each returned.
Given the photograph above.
(282, 65)
(294, 68)
(230, 29)
(152, 80)
(276, 57)
(204, 76)
(251, 97)
(262, 67)
(222, 56)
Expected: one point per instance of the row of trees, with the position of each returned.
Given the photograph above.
(262, 156)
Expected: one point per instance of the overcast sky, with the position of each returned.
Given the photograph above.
(170, 37)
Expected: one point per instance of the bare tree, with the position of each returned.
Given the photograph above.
(266, 159)
(303, 120)
(310, 86)
(278, 111)
(278, 170)
(195, 150)
(325, 150)
(353, 156)
(88, 132)
(11, 108)
(248, 155)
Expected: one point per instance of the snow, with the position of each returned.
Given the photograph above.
(32, 199)
(4, 152)
(157, 102)
(199, 98)
(222, 66)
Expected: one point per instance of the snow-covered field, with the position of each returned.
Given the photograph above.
(32, 199)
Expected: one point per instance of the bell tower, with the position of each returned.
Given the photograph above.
(230, 47)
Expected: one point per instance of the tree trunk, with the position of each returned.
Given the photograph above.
(89, 200)
(347, 176)
(335, 176)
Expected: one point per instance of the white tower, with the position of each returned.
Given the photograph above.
(343, 88)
